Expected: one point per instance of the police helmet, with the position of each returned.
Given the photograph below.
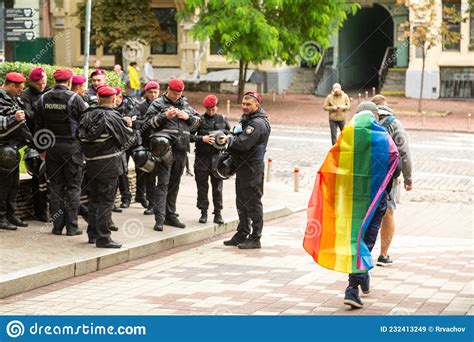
(216, 144)
(223, 166)
(143, 159)
(160, 146)
(32, 161)
(9, 158)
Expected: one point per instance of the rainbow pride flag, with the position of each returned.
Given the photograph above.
(348, 189)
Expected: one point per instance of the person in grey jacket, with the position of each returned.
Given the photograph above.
(400, 137)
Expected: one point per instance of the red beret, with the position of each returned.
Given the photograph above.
(176, 85)
(105, 91)
(36, 74)
(15, 77)
(152, 85)
(62, 74)
(210, 101)
(253, 94)
(78, 79)
(118, 90)
(97, 72)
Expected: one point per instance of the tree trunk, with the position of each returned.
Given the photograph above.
(420, 100)
(240, 94)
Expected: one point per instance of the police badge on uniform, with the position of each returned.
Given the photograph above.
(249, 130)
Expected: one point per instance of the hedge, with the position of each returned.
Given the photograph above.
(113, 78)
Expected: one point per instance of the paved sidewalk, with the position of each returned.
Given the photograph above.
(307, 110)
(33, 257)
(432, 274)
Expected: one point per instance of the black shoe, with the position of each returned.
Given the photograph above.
(148, 212)
(5, 224)
(41, 218)
(351, 297)
(108, 244)
(365, 286)
(92, 240)
(218, 218)
(117, 209)
(74, 232)
(158, 227)
(16, 221)
(235, 240)
(250, 243)
(56, 231)
(143, 201)
(113, 227)
(125, 205)
(174, 222)
(384, 261)
(203, 218)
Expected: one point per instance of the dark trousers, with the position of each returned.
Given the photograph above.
(9, 183)
(141, 189)
(123, 184)
(158, 180)
(249, 191)
(176, 171)
(333, 125)
(370, 237)
(39, 194)
(202, 173)
(101, 202)
(64, 166)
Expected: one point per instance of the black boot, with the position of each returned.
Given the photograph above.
(218, 217)
(174, 222)
(203, 218)
(15, 220)
(158, 227)
(143, 201)
(235, 240)
(116, 209)
(149, 211)
(5, 224)
(252, 242)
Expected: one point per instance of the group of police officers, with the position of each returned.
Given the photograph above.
(80, 141)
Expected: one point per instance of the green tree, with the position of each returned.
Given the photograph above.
(425, 32)
(114, 22)
(253, 31)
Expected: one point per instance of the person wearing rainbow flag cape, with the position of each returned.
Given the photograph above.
(349, 200)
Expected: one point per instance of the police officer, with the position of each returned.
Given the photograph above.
(14, 134)
(104, 134)
(145, 181)
(97, 79)
(125, 105)
(56, 119)
(79, 84)
(247, 147)
(204, 157)
(37, 87)
(171, 114)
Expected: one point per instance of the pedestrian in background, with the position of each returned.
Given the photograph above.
(134, 80)
(337, 104)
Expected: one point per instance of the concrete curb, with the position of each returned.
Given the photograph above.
(46, 274)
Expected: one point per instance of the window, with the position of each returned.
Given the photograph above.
(216, 47)
(92, 46)
(167, 19)
(457, 82)
(107, 51)
(453, 27)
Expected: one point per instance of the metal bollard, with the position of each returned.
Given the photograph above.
(399, 192)
(469, 121)
(269, 169)
(284, 94)
(373, 91)
(423, 119)
(296, 176)
(228, 107)
(273, 95)
(366, 95)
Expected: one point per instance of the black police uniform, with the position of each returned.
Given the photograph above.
(166, 194)
(58, 113)
(248, 150)
(204, 156)
(125, 109)
(145, 182)
(90, 96)
(15, 134)
(38, 182)
(104, 137)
